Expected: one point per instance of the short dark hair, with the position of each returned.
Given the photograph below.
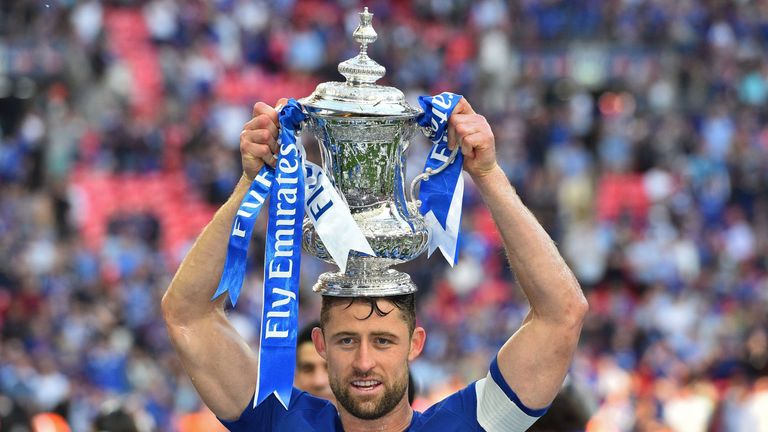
(405, 303)
(305, 334)
(117, 420)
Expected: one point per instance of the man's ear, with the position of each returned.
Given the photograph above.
(319, 341)
(417, 343)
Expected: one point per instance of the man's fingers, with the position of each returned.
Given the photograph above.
(258, 140)
(464, 125)
(457, 128)
(259, 151)
(262, 121)
(467, 149)
(473, 143)
(459, 119)
(451, 137)
(463, 107)
(259, 137)
(262, 108)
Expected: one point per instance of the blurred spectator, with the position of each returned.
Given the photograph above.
(114, 420)
(569, 412)
(13, 418)
(311, 370)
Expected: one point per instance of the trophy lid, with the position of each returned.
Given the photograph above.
(359, 94)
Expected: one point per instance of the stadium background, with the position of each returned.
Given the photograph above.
(634, 129)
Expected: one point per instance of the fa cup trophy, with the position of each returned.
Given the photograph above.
(364, 130)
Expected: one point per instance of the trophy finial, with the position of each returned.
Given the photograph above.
(364, 34)
(362, 69)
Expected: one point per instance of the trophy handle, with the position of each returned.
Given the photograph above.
(430, 172)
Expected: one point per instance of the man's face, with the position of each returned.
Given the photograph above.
(312, 372)
(368, 358)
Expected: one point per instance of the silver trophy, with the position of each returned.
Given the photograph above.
(364, 130)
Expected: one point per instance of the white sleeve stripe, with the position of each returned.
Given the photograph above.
(496, 412)
(499, 379)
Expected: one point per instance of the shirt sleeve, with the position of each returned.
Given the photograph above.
(499, 408)
(254, 419)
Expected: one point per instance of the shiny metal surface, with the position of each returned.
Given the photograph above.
(364, 158)
(359, 94)
(362, 69)
(364, 131)
(341, 99)
(374, 284)
(391, 237)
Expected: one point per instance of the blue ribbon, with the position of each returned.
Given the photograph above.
(280, 313)
(282, 258)
(436, 193)
(242, 227)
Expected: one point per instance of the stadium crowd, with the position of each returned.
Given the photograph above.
(634, 129)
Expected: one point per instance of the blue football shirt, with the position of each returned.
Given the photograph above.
(488, 404)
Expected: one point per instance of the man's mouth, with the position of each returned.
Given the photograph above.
(366, 385)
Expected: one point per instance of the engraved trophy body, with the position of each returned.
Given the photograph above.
(364, 130)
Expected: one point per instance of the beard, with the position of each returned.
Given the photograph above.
(370, 408)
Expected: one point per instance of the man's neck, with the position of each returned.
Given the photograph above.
(396, 420)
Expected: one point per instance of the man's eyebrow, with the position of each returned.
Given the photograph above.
(385, 334)
(374, 334)
(343, 334)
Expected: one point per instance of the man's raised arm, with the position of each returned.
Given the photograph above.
(535, 360)
(219, 362)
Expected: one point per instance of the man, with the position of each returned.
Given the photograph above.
(311, 369)
(368, 342)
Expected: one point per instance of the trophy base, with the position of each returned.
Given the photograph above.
(380, 284)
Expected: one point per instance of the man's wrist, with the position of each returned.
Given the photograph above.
(243, 184)
(489, 176)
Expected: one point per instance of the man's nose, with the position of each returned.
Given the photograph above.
(319, 378)
(364, 360)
